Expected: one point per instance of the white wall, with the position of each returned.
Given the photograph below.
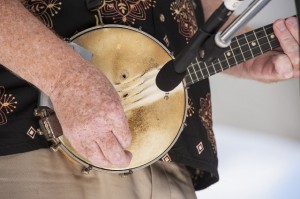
(255, 166)
(271, 108)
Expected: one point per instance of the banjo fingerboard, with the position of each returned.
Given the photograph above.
(242, 48)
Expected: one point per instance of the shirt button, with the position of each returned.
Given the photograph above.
(162, 18)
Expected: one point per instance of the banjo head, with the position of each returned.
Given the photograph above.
(131, 59)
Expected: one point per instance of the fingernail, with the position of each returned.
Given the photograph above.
(281, 26)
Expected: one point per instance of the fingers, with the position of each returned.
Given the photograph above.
(293, 27)
(113, 151)
(118, 124)
(102, 138)
(105, 151)
(287, 33)
(122, 131)
(95, 155)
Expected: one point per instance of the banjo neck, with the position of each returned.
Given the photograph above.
(242, 48)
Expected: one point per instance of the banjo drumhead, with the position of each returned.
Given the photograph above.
(130, 59)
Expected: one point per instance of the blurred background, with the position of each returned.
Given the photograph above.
(257, 127)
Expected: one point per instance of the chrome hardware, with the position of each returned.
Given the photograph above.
(86, 170)
(55, 147)
(39, 132)
(123, 175)
(49, 124)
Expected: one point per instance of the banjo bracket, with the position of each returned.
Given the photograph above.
(49, 125)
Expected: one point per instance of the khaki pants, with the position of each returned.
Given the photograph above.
(42, 174)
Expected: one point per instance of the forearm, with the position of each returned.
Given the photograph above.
(31, 50)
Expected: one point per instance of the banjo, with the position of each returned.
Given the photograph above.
(156, 118)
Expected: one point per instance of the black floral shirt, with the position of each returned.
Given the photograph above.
(172, 22)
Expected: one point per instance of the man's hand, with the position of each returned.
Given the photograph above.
(276, 65)
(92, 117)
